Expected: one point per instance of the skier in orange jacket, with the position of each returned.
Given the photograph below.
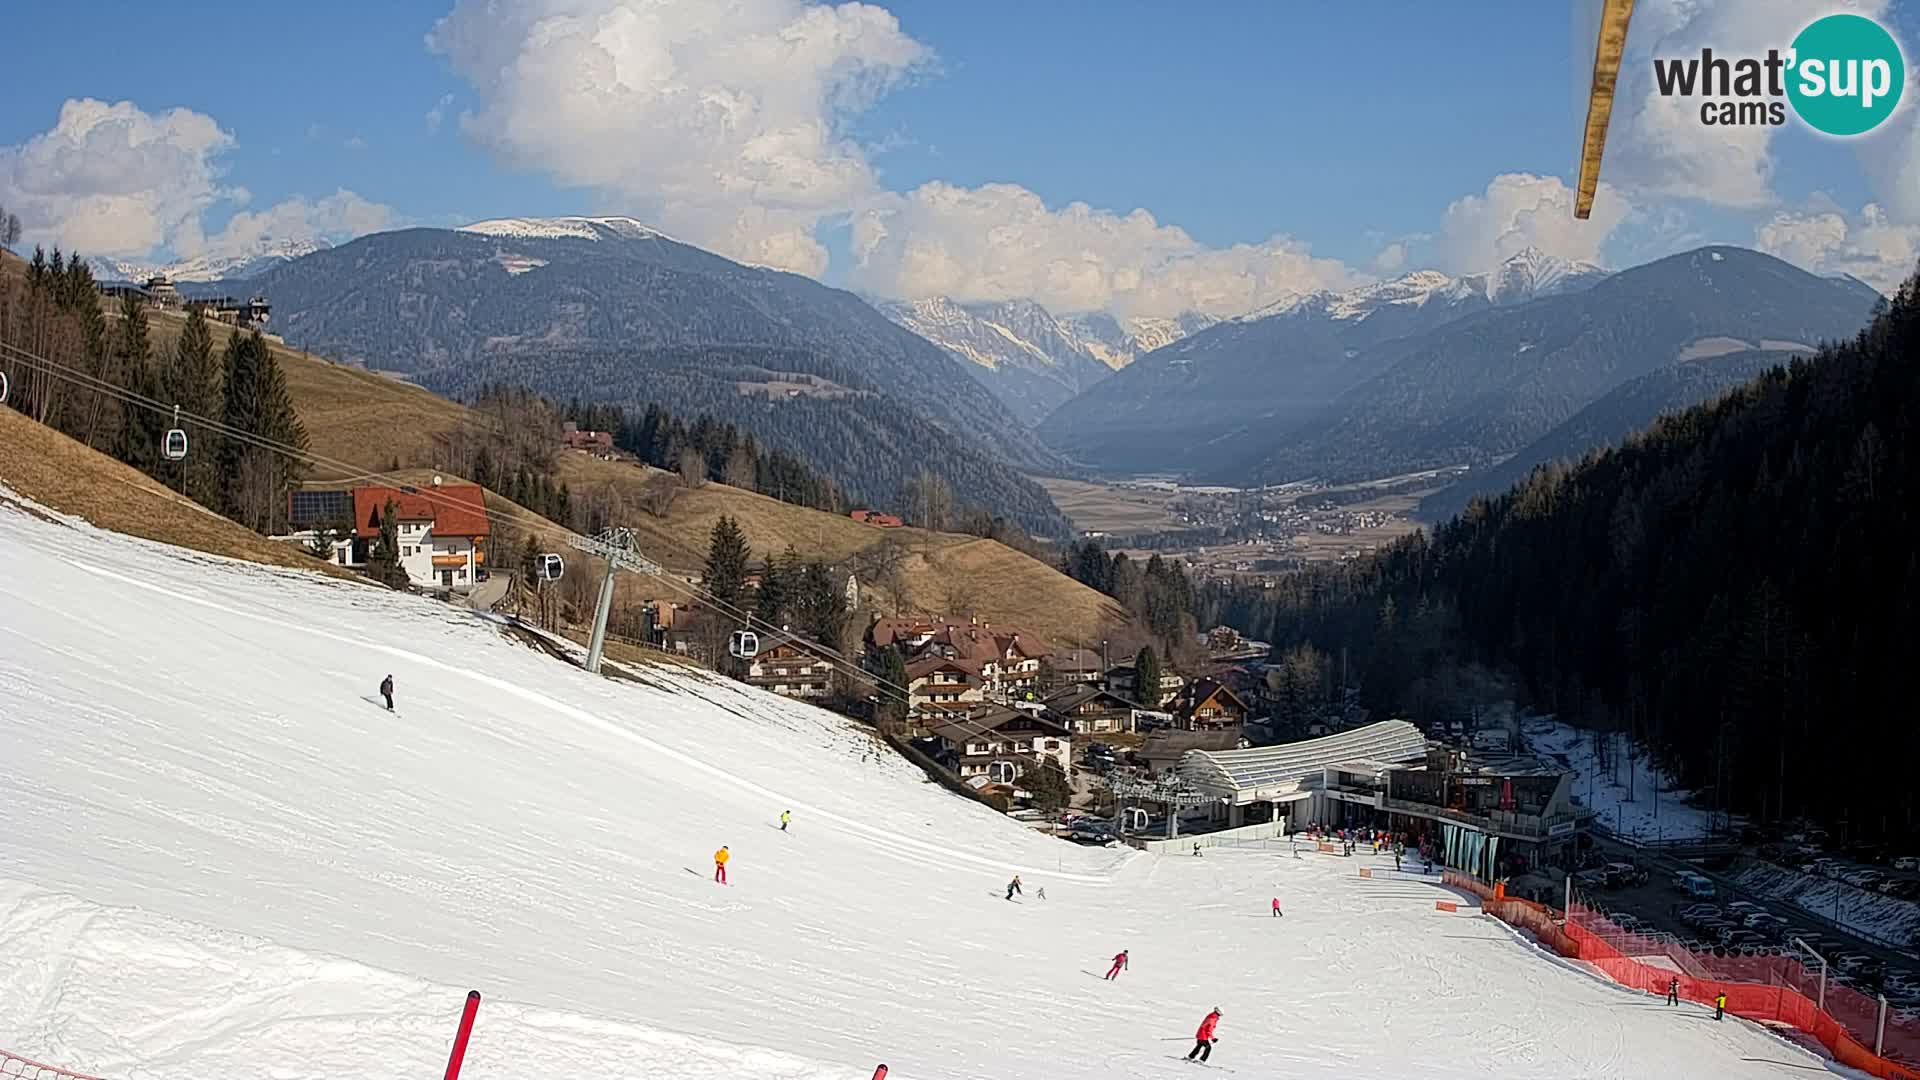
(720, 865)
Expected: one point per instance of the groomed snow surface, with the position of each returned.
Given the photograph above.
(219, 859)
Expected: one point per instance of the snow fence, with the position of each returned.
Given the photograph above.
(12, 1065)
(1769, 987)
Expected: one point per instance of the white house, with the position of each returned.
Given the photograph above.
(441, 531)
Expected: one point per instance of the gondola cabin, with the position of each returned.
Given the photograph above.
(745, 644)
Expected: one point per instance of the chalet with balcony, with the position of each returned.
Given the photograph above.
(1089, 710)
(1122, 679)
(1208, 705)
(597, 443)
(790, 671)
(998, 743)
(442, 531)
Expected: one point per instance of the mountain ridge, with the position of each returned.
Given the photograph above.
(1178, 408)
(1488, 384)
(1031, 358)
(611, 310)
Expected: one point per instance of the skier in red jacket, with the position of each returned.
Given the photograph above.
(1276, 907)
(1119, 962)
(1204, 1039)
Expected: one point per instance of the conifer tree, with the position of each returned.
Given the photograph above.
(1146, 677)
(193, 381)
(726, 569)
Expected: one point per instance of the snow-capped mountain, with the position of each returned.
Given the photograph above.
(232, 266)
(1528, 275)
(1031, 358)
(1532, 274)
(1118, 343)
(1281, 363)
(563, 228)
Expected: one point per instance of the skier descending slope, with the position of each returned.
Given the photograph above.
(1013, 886)
(786, 818)
(1276, 907)
(1119, 962)
(386, 691)
(720, 864)
(1204, 1039)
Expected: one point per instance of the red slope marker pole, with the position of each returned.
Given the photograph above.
(460, 1039)
(880, 1073)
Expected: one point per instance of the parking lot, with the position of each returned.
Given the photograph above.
(1734, 919)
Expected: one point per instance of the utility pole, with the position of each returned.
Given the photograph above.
(621, 549)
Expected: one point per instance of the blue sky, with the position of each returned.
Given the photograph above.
(1328, 142)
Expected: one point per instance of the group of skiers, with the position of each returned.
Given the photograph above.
(721, 857)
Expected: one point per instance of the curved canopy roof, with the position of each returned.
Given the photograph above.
(1387, 742)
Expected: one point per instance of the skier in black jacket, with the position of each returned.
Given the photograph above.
(386, 691)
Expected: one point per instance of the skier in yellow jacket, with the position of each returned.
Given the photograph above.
(720, 865)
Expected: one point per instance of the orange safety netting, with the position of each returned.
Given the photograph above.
(1758, 986)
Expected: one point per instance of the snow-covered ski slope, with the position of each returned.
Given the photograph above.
(219, 859)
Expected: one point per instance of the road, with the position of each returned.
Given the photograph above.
(490, 592)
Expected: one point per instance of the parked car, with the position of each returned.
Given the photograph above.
(1854, 963)
(1907, 862)
(1621, 875)
(1694, 884)
(1692, 914)
(1865, 879)
(1741, 938)
(1825, 867)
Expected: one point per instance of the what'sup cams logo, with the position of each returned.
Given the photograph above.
(1842, 75)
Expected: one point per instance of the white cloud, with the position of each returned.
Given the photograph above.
(1392, 259)
(115, 180)
(1001, 241)
(721, 121)
(339, 216)
(1521, 210)
(1657, 146)
(355, 142)
(438, 114)
(1871, 246)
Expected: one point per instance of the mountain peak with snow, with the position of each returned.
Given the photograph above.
(1531, 273)
(1526, 275)
(566, 228)
(248, 262)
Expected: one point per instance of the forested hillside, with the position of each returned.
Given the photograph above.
(1736, 585)
(1632, 406)
(866, 443)
(607, 310)
(1487, 385)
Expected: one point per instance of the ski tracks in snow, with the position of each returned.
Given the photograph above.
(904, 848)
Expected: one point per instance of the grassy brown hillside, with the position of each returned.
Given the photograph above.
(369, 420)
(57, 472)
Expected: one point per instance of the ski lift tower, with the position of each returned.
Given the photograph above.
(621, 548)
(1170, 791)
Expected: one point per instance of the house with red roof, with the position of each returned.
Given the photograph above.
(442, 531)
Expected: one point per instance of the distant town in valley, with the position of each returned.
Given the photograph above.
(1247, 535)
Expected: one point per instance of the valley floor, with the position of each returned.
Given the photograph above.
(219, 857)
